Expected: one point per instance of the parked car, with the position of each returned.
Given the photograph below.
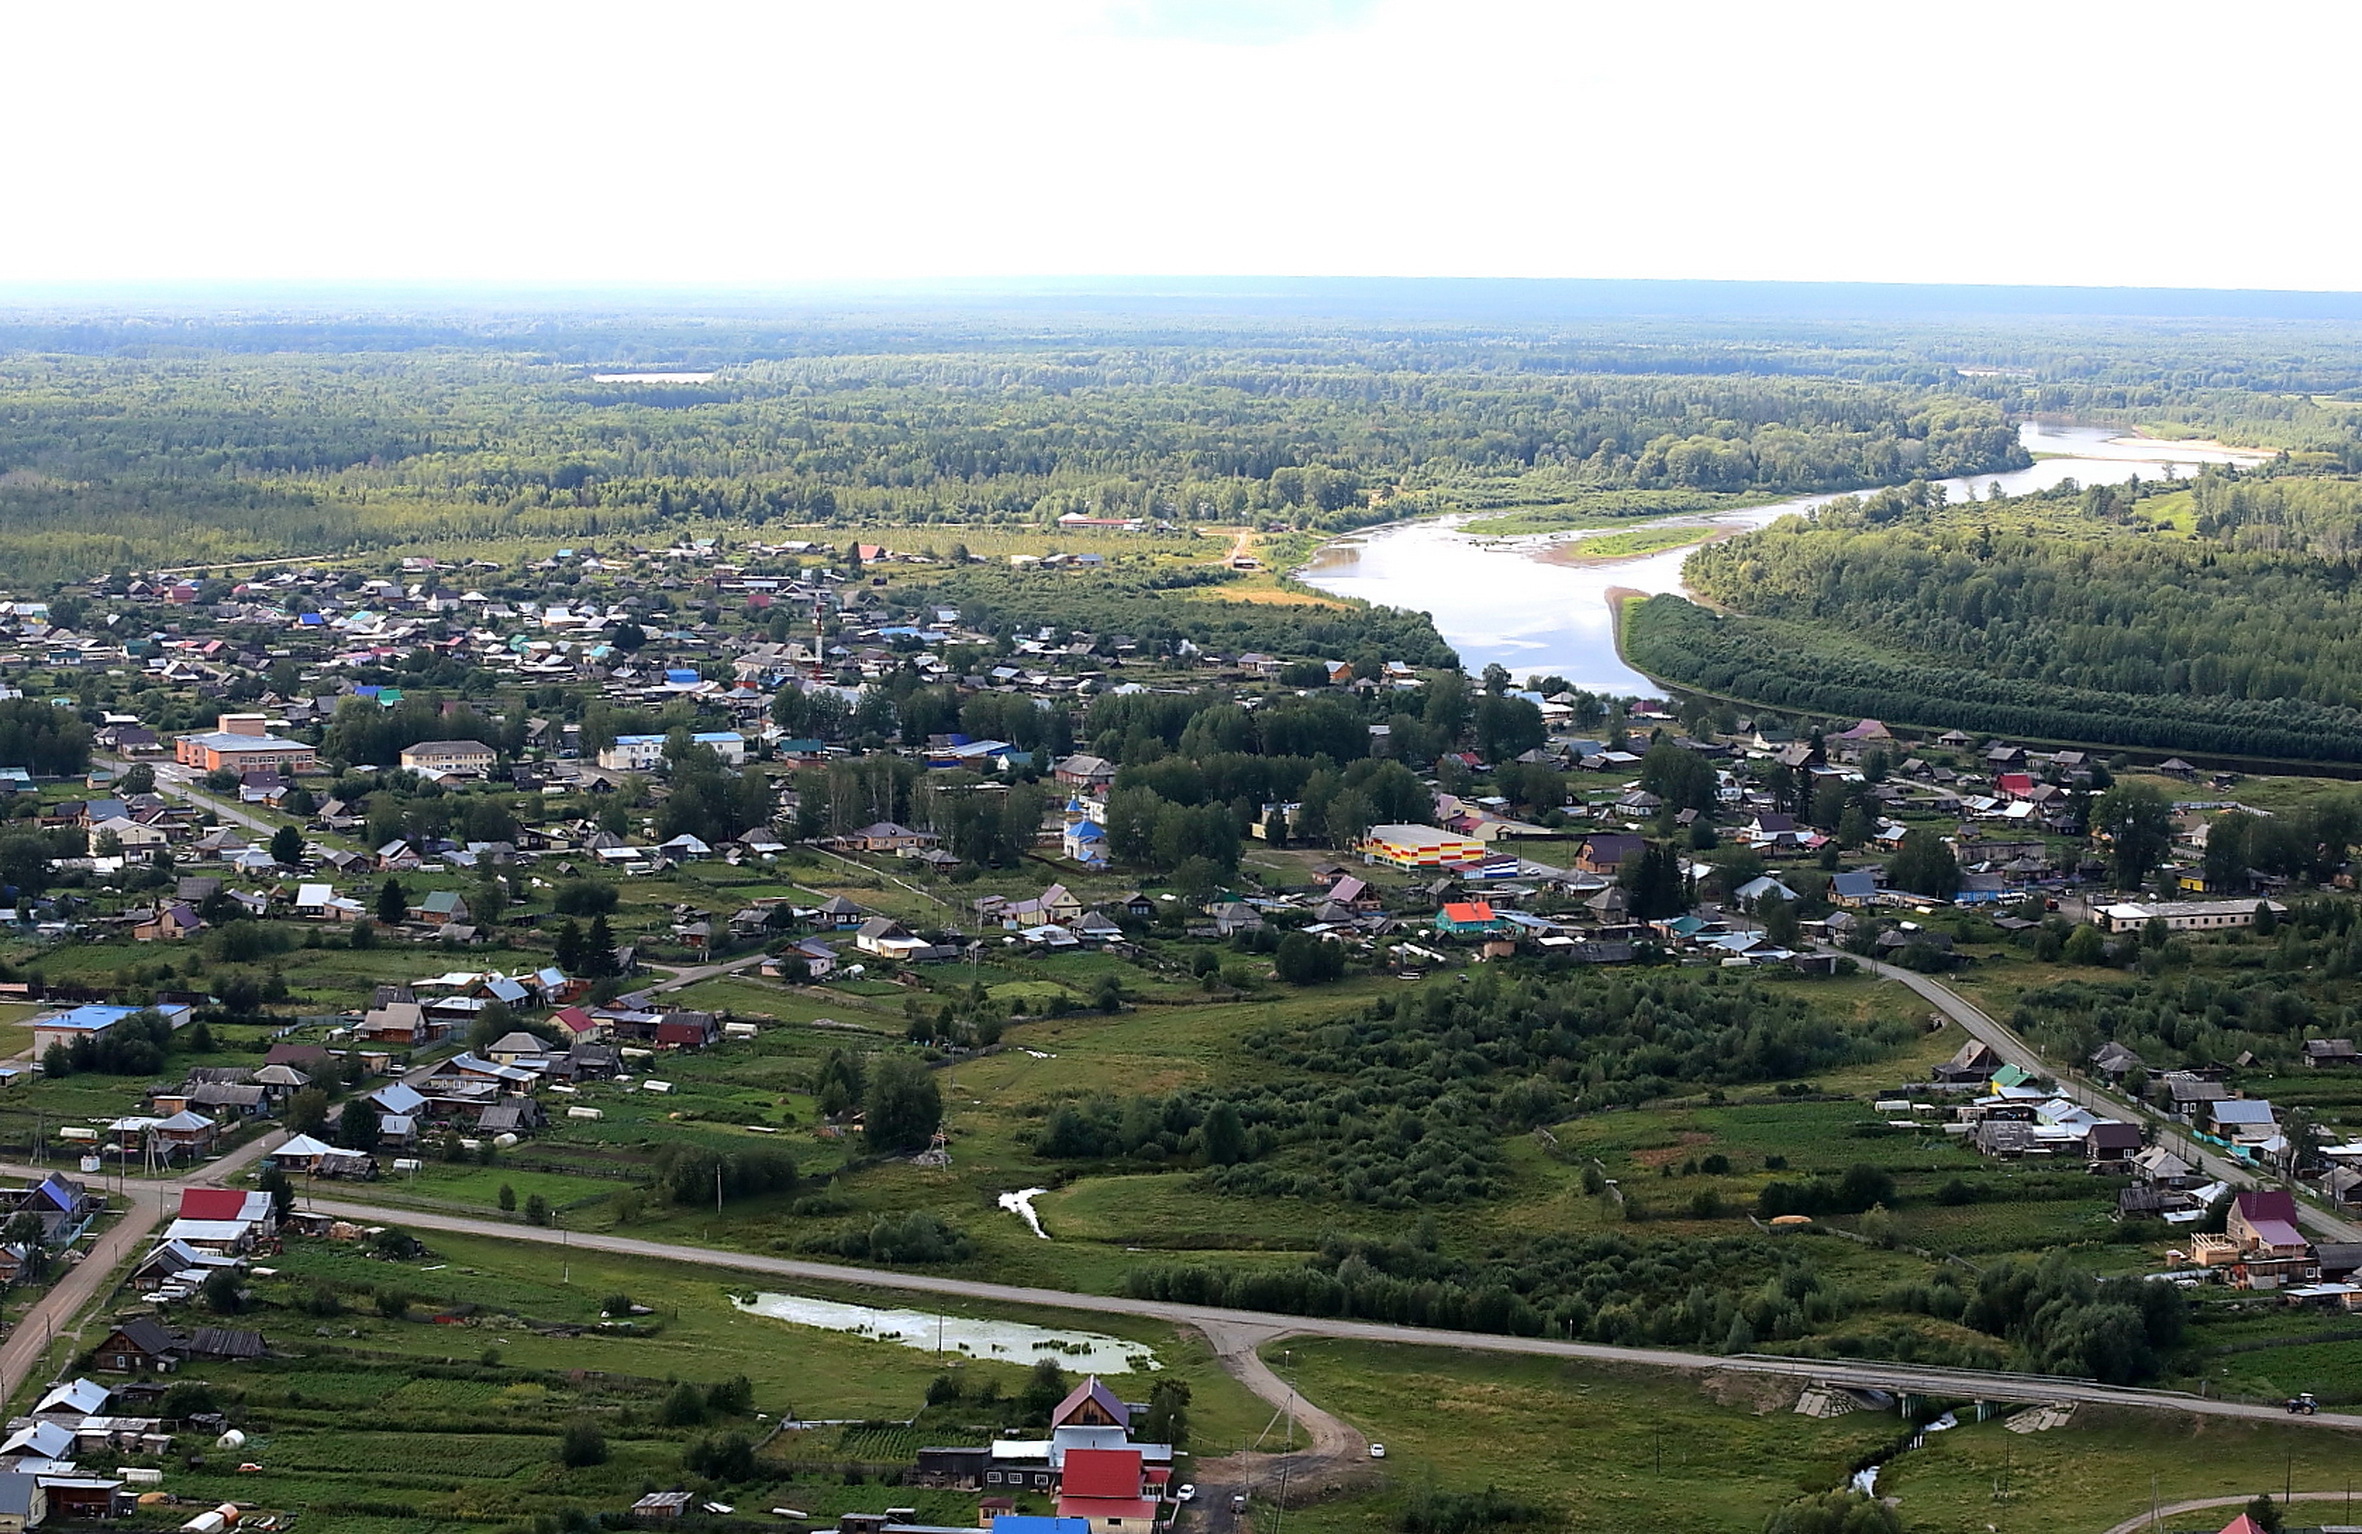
(1377, 1451)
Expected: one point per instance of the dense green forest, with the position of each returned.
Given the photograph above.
(124, 444)
(1405, 1104)
(2221, 617)
(130, 439)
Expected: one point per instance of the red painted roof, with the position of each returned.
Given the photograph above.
(1101, 1473)
(212, 1203)
(1469, 911)
(2243, 1525)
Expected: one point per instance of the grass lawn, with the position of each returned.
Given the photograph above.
(1583, 1442)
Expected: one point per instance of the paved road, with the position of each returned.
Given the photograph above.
(2175, 1509)
(1237, 1330)
(683, 978)
(2017, 1051)
(176, 780)
(86, 1282)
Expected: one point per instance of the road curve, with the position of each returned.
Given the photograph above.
(1968, 1384)
(2018, 1052)
(2176, 1509)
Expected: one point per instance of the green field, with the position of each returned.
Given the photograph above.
(454, 1412)
(1602, 1448)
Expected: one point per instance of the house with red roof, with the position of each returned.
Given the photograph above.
(1468, 918)
(227, 1204)
(1108, 1488)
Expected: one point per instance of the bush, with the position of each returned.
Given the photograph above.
(585, 897)
(1836, 1512)
(393, 1304)
(916, 1237)
(685, 1407)
(582, 1445)
(1432, 1510)
(729, 1457)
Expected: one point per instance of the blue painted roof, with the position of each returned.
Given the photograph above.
(95, 1018)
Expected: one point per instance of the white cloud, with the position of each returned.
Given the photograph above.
(781, 142)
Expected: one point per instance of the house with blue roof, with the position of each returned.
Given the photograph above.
(89, 1022)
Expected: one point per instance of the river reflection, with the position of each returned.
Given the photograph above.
(1495, 600)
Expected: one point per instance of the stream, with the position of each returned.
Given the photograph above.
(1496, 600)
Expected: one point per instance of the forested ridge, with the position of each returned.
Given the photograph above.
(2222, 617)
(132, 446)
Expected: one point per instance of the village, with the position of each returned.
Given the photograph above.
(410, 885)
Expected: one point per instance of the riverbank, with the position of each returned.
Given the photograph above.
(1523, 604)
(1615, 548)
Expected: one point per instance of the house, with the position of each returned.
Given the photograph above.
(1755, 891)
(401, 1024)
(2331, 1052)
(509, 1048)
(320, 1159)
(450, 756)
(2242, 1118)
(1607, 854)
(441, 908)
(2109, 1145)
(1107, 1489)
(1091, 1404)
(1468, 918)
(886, 836)
(236, 1204)
(2113, 1062)
(1232, 917)
(24, 1503)
(888, 939)
(840, 913)
(1085, 771)
(1973, 1062)
(1856, 887)
(140, 1346)
(2263, 1221)
(170, 924)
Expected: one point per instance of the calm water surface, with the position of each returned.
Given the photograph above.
(1494, 599)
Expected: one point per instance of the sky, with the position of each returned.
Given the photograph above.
(784, 143)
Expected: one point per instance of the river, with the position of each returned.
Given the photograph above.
(1497, 599)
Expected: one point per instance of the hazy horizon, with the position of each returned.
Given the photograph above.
(726, 144)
